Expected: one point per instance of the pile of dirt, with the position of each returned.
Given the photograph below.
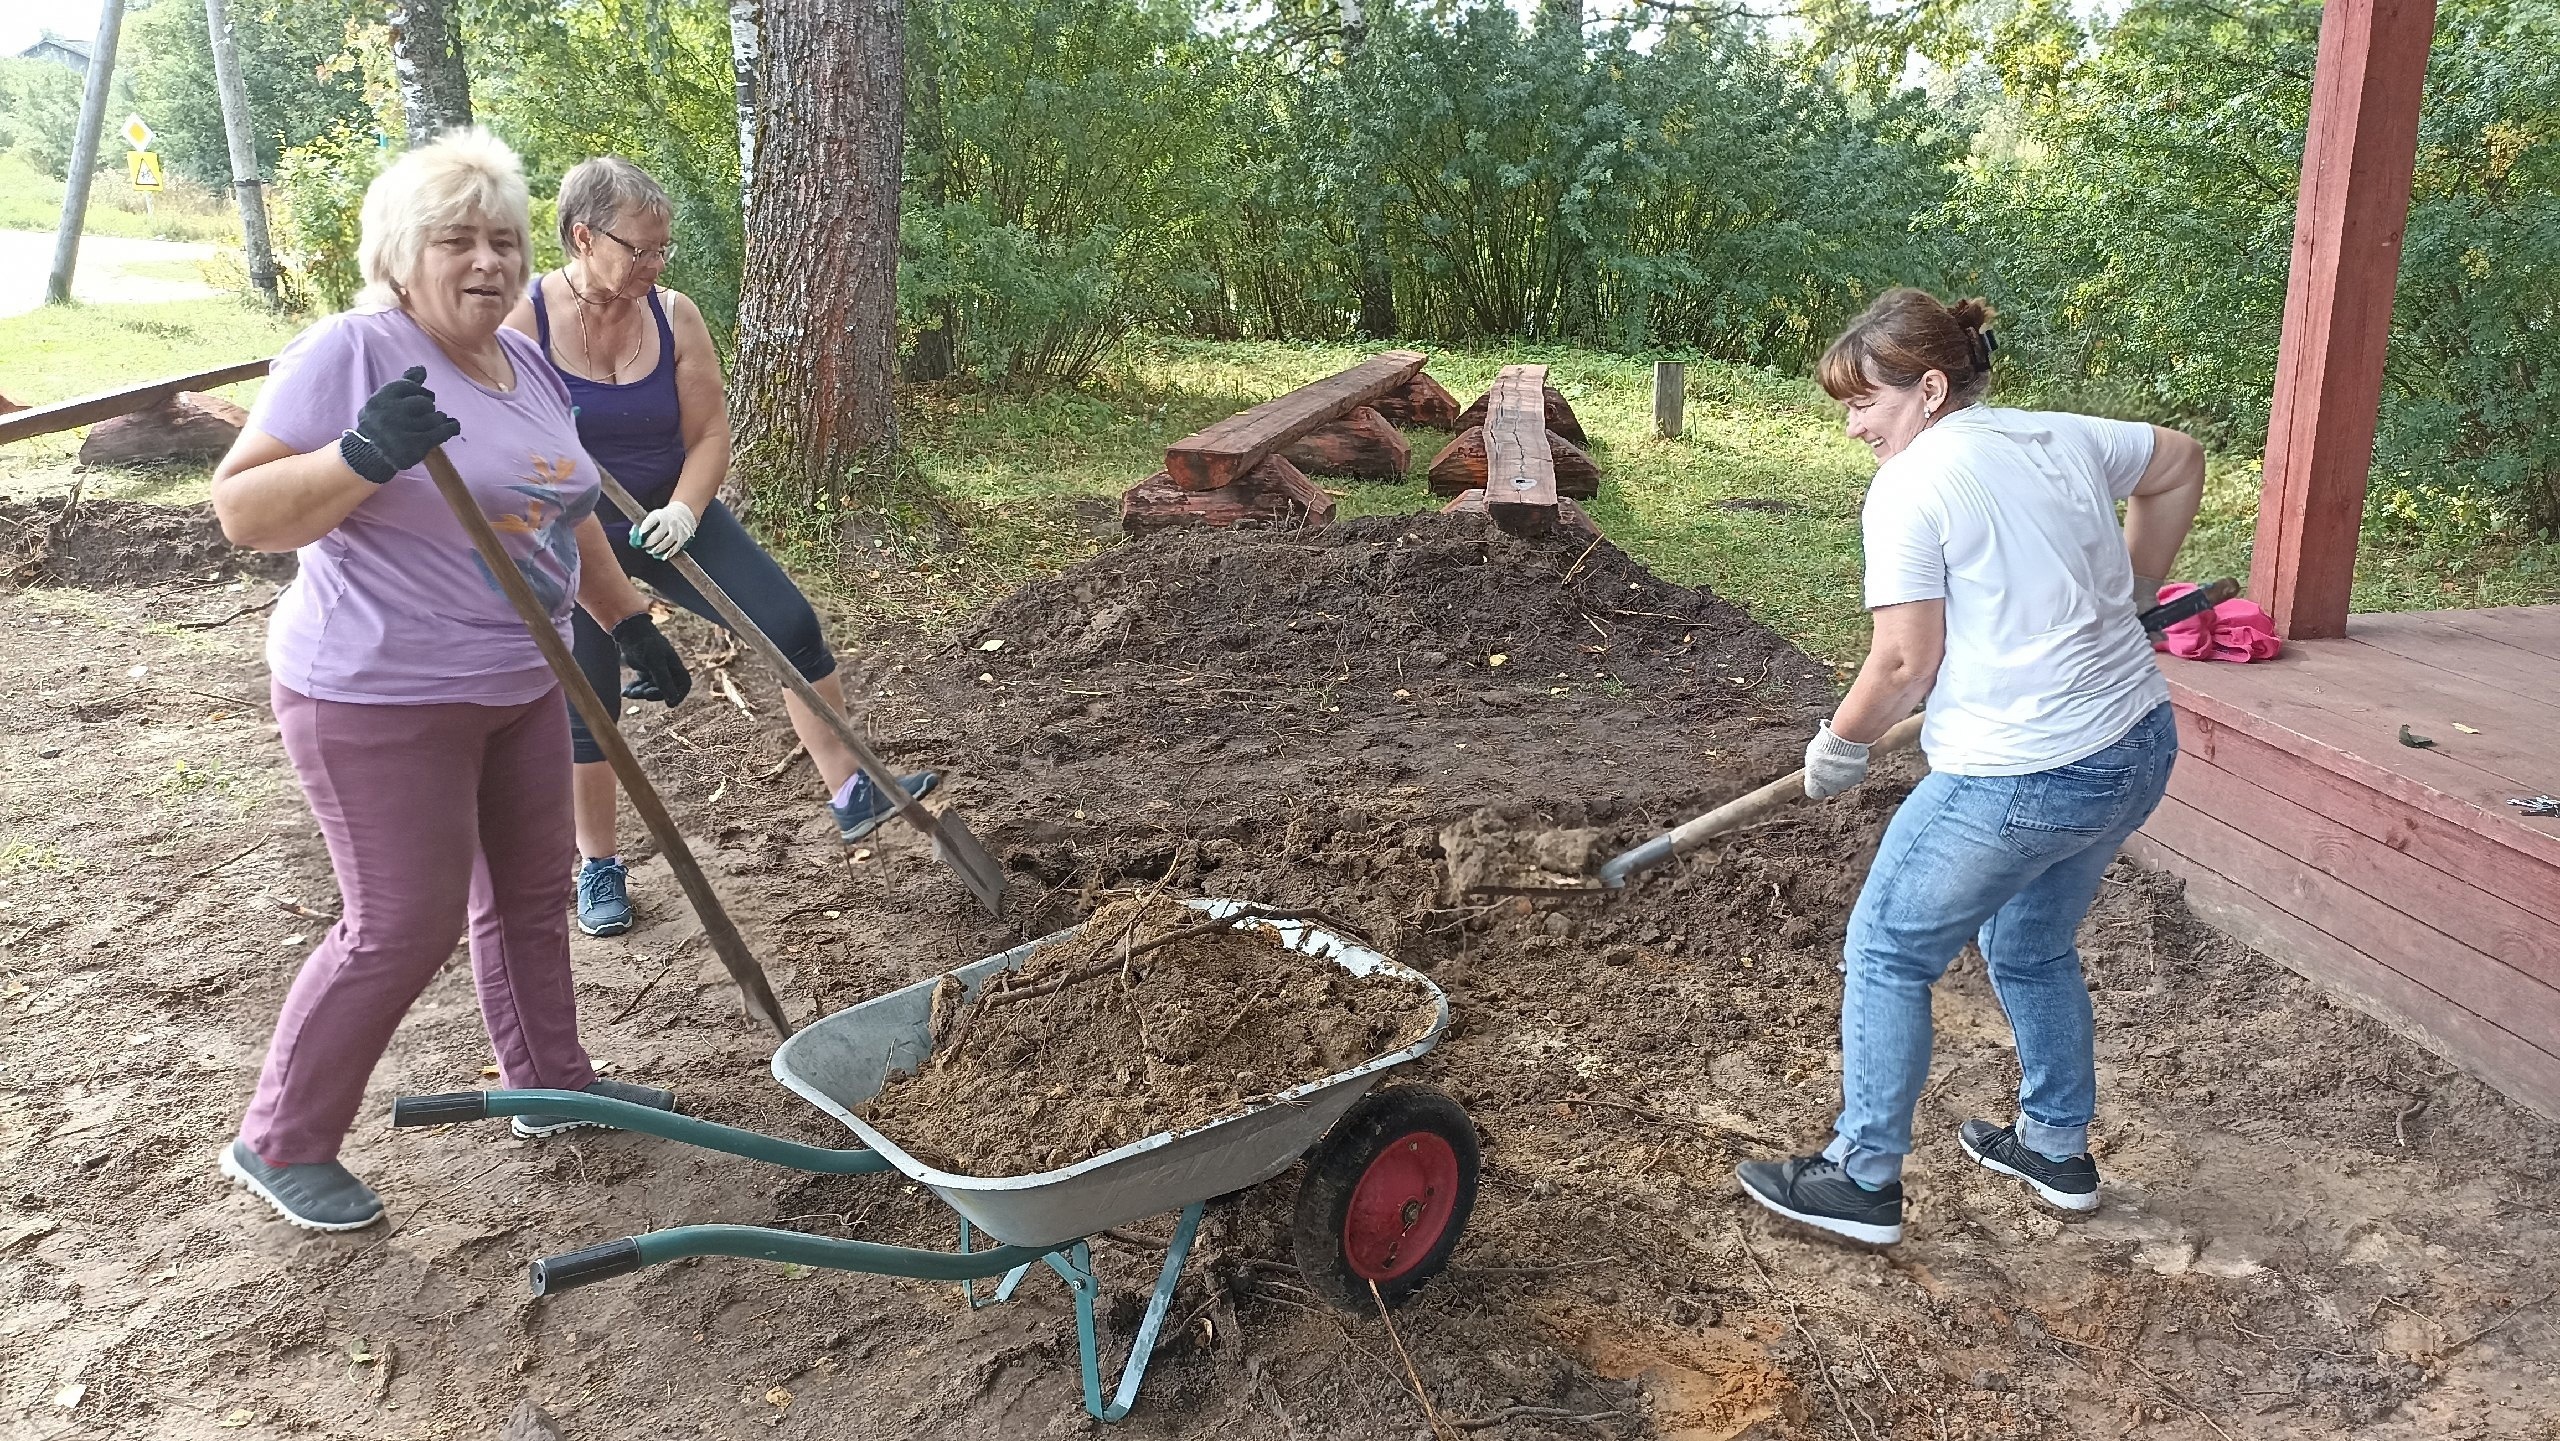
(104, 543)
(1150, 1019)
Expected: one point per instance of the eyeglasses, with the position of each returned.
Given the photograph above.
(663, 255)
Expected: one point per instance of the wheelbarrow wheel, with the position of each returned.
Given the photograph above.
(1386, 1193)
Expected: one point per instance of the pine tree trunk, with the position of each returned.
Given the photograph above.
(426, 60)
(818, 311)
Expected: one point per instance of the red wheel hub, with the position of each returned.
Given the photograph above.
(1401, 1206)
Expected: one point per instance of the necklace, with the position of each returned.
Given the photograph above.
(613, 373)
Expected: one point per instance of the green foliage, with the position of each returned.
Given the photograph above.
(39, 112)
(295, 65)
(1061, 155)
(645, 79)
(314, 211)
(2138, 235)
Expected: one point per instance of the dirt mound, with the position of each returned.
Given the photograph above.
(97, 544)
(1151, 1019)
(1383, 597)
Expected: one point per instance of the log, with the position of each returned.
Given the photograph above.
(1274, 493)
(1571, 519)
(1422, 402)
(1229, 449)
(189, 425)
(7, 405)
(1560, 417)
(1460, 466)
(1361, 445)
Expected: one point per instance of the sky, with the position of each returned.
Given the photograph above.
(22, 22)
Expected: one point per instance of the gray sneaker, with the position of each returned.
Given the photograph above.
(534, 1128)
(320, 1196)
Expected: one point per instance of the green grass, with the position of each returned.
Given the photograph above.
(63, 351)
(32, 200)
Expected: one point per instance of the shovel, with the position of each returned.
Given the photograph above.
(952, 843)
(716, 925)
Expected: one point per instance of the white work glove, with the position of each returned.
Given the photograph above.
(664, 531)
(1832, 765)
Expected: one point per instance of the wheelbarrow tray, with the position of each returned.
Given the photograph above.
(841, 1062)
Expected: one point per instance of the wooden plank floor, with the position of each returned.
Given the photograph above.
(2399, 876)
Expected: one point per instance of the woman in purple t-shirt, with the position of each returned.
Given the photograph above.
(427, 732)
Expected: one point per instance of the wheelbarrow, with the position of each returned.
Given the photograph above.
(1389, 1182)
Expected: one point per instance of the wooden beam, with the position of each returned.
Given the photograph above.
(2357, 160)
(1519, 467)
(90, 409)
(1226, 450)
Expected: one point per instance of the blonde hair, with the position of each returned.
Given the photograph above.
(461, 175)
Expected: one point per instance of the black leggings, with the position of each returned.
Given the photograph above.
(722, 547)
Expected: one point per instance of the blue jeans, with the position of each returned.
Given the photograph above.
(2012, 862)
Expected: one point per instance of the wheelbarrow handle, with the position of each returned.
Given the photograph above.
(648, 1120)
(768, 1243)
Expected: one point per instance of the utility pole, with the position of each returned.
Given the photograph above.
(84, 154)
(244, 151)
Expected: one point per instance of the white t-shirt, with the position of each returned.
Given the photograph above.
(2009, 516)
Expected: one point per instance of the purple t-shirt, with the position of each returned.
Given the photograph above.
(394, 607)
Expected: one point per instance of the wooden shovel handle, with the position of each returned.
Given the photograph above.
(914, 812)
(716, 925)
(1749, 809)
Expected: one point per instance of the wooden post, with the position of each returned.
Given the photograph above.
(2356, 166)
(84, 154)
(1670, 397)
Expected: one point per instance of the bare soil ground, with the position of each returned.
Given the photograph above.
(2313, 1229)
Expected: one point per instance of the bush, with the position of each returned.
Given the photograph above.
(39, 113)
(317, 206)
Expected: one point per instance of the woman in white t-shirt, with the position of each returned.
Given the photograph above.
(2005, 593)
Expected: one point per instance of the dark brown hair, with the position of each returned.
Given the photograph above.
(1903, 336)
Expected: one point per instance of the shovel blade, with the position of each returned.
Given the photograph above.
(982, 873)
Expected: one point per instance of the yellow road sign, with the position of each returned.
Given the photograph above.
(142, 167)
(137, 134)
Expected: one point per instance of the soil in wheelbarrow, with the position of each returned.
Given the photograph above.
(1153, 1018)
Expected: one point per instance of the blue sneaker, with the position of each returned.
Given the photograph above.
(864, 808)
(604, 900)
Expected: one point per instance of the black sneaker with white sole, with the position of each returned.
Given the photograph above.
(1820, 1194)
(2071, 1183)
(316, 1196)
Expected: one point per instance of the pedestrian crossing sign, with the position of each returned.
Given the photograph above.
(143, 168)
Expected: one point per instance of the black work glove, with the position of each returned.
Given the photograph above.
(659, 672)
(396, 428)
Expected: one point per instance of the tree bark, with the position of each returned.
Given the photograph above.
(1274, 493)
(818, 311)
(746, 51)
(241, 133)
(426, 61)
(1361, 445)
(1560, 416)
(1462, 463)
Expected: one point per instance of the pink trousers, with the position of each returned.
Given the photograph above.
(434, 815)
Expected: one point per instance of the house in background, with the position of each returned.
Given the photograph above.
(61, 51)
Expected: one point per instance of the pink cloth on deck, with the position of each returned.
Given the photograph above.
(2236, 630)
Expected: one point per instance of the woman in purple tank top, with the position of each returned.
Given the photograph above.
(645, 383)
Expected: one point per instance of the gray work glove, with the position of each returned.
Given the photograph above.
(1832, 765)
(2146, 591)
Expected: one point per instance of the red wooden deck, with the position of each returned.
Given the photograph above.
(2398, 876)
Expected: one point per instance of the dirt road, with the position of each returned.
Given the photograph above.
(103, 274)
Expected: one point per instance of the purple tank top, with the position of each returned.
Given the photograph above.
(636, 431)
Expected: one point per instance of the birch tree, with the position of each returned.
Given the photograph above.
(426, 61)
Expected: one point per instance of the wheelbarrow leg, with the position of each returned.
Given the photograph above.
(1004, 1288)
(1076, 1269)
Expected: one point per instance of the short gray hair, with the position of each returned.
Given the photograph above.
(461, 176)
(598, 191)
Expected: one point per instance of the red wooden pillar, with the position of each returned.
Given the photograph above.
(2356, 166)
